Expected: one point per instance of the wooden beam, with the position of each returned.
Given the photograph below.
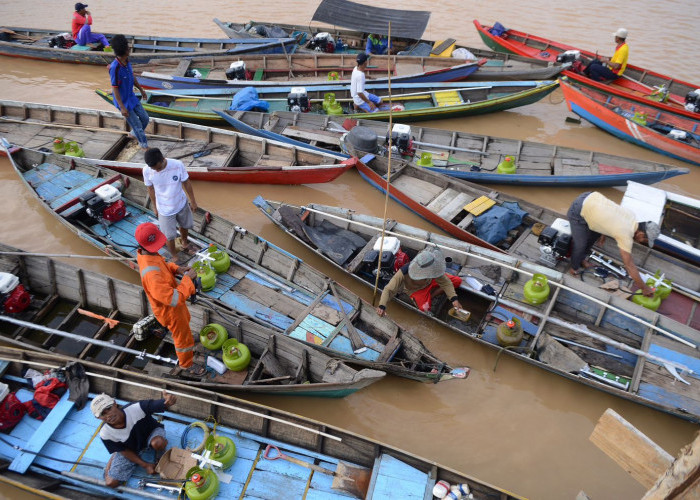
(682, 479)
(630, 448)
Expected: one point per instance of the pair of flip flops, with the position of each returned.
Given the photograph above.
(194, 371)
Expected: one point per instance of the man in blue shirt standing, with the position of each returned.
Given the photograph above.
(123, 82)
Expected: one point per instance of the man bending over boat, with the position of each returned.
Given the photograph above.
(422, 279)
(602, 70)
(128, 432)
(169, 188)
(167, 297)
(363, 100)
(82, 31)
(593, 216)
(122, 77)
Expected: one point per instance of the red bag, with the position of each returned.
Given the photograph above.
(11, 412)
(46, 396)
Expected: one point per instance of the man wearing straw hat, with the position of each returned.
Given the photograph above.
(421, 279)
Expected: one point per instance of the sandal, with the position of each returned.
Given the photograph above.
(194, 371)
(190, 249)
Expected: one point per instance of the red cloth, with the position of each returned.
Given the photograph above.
(424, 299)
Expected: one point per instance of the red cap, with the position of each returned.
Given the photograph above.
(150, 237)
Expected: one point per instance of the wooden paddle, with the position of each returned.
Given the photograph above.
(348, 478)
(357, 345)
(19, 36)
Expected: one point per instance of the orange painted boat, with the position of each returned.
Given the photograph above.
(666, 133)
(641, 84)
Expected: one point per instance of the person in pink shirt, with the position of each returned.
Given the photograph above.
(82, 32)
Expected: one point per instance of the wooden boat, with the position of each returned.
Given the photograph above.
(580, 331)
(464, 155)
(455, 206)
(208, 154)
(411, 101)
(637, 83)
(667, 133)
(498, 66)
(278, 364)
(369, 468)
(264, 283)
(678, 217)
(299, 69)
(31, 43)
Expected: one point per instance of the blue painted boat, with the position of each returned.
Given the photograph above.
(299, 69)
(278, 364)
(579, 331)
(63, 455)
(264, 283)
(467, 156)
(31, 43)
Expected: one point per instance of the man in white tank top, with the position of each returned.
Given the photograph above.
(363, 100)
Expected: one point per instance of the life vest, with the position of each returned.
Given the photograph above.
(11, 412)
(46, 394)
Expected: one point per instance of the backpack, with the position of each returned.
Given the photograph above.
(11, 412)
(46, 394)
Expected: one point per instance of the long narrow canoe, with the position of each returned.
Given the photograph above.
(31, 43)
(411, 101)
(641, 84)
(208, 154)
(580, 331)
(297, 69)
(472, 213)
(668, 133)
(264, 283)
(678, 217)
(69, 435)
(464, 155)
(60, 291)
(498, 66)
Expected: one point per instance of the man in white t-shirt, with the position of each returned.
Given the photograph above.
(169, 188)
(369, 103)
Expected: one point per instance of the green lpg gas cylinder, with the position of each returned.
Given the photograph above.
(221, 262)
(507, 166)
(206, 273)
(509, 333)
(202, 484)
(536, 290)
(652, 302)
(330, 105)
(74, 149)
(664, 287)
(222, 450)
(59, 146)
(213, 336)
(426, 160)
(236, 355)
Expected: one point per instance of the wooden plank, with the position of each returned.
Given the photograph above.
(631, 449)
(439, 202)
(455, 206)
(182, 67)
(323, 136)
(682, 479)
(42, 435)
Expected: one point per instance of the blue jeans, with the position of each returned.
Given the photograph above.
(599, 72)
(138, 120)
(85, 36)
(375, 99)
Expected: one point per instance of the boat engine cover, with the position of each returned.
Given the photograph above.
(692, 101)
(363, 139)
(115, 212)
(13, 296)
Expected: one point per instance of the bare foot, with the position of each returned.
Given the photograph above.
(574, 272)
(588, 264)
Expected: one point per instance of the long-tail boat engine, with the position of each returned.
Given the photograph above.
(692, 101)
(401, 141)
(555, 242)
(13, 296)
(104, 204)
(298, 100)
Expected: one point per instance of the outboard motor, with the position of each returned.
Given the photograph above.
(13, 296)
(363, 139)
(692, 101)
(322, 42)
(401, 139)
(569, 56)
(104, 204)
(555, 242)
(236, 71)
(298, 100)
(390, 250)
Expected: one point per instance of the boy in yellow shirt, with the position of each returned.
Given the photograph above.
(604, 69)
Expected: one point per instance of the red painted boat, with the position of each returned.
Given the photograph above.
(666, 133)
(637, 83)
(209, 154)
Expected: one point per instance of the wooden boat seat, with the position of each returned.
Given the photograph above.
(164, 48)
(443, 46)
(182, 67)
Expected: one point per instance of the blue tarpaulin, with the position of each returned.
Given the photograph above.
(498, 29)
(493, 225)
(247, 100)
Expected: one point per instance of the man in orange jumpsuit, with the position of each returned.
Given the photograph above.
(168, 299)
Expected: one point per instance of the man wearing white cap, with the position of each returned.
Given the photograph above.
(129, 431)
(604, 69)
(420, 280)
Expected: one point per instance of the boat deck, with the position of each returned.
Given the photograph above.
(76, 440)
